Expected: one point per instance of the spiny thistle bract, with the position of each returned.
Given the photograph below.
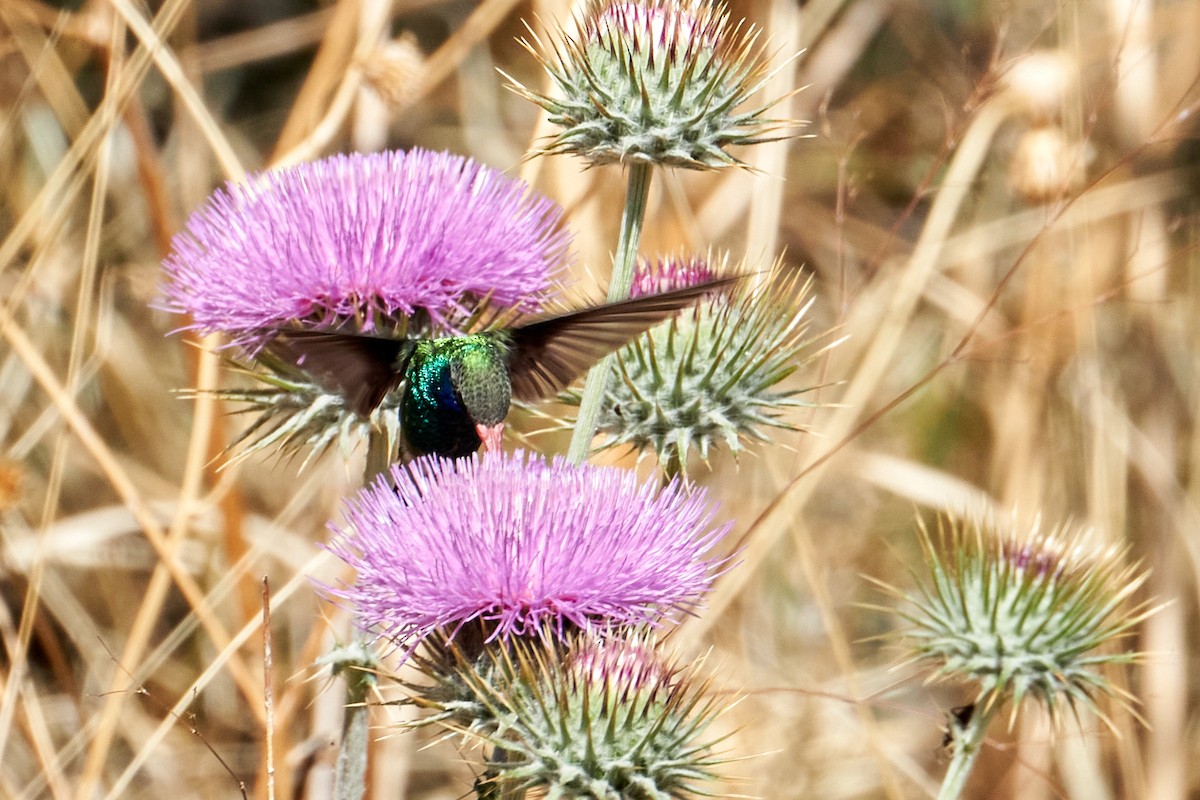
(603, 718)
(296, 414)
(521, 545)
(1024, 613)
(660, 82)
(711, 376)
(399, 243)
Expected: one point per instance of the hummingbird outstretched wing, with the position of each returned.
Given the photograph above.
(547, 354)
(362, 368)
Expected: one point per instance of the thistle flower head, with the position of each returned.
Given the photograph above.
(654, 81)
(521, 546)
(397, 243)
(711, 376)
(364, 242)
(1023, 613)
(608, 717)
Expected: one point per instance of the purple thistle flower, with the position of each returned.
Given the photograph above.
(674, 28)
(627, 664)
(673, 272)
(360, 239)
(523, 546)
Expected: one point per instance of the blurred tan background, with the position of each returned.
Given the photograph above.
(998, 201)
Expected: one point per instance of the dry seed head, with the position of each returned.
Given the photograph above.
(12, 478)
(1046, 165)
(394, 70)
(1041, 84)
(657, 82)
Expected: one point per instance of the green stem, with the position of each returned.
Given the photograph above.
(618, 289)
(350, 770)
(967, 740)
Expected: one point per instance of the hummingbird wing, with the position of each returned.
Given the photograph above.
(545, 355)
(363, 369)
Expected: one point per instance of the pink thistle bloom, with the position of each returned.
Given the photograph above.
(675, 28)
(361, 239)
(628, 664)
(671, 273)
(523, 546)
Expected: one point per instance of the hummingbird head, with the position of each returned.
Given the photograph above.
(480, 375)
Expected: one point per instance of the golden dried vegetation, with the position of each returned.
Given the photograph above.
(997, 201)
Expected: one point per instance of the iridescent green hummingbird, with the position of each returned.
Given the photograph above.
(457, 389)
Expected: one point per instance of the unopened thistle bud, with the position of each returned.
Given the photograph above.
(712, 376)
(606, 718)
(1029, 613)
(296, 414)
(658, 81)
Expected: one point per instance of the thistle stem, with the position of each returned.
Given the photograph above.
(967, 740)
(350, 770)
(487, 788)
(620, 282)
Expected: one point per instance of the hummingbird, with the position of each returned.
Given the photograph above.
(457, 389)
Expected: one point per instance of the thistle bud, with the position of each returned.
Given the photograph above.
(1023, 613)
(711, 376)
(611, 717)
(657, 82)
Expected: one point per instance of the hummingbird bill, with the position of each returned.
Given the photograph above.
(456, 390)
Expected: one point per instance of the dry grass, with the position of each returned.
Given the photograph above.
(1016, 283)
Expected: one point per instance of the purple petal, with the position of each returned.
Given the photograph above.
(522, 545)
(360, 237)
